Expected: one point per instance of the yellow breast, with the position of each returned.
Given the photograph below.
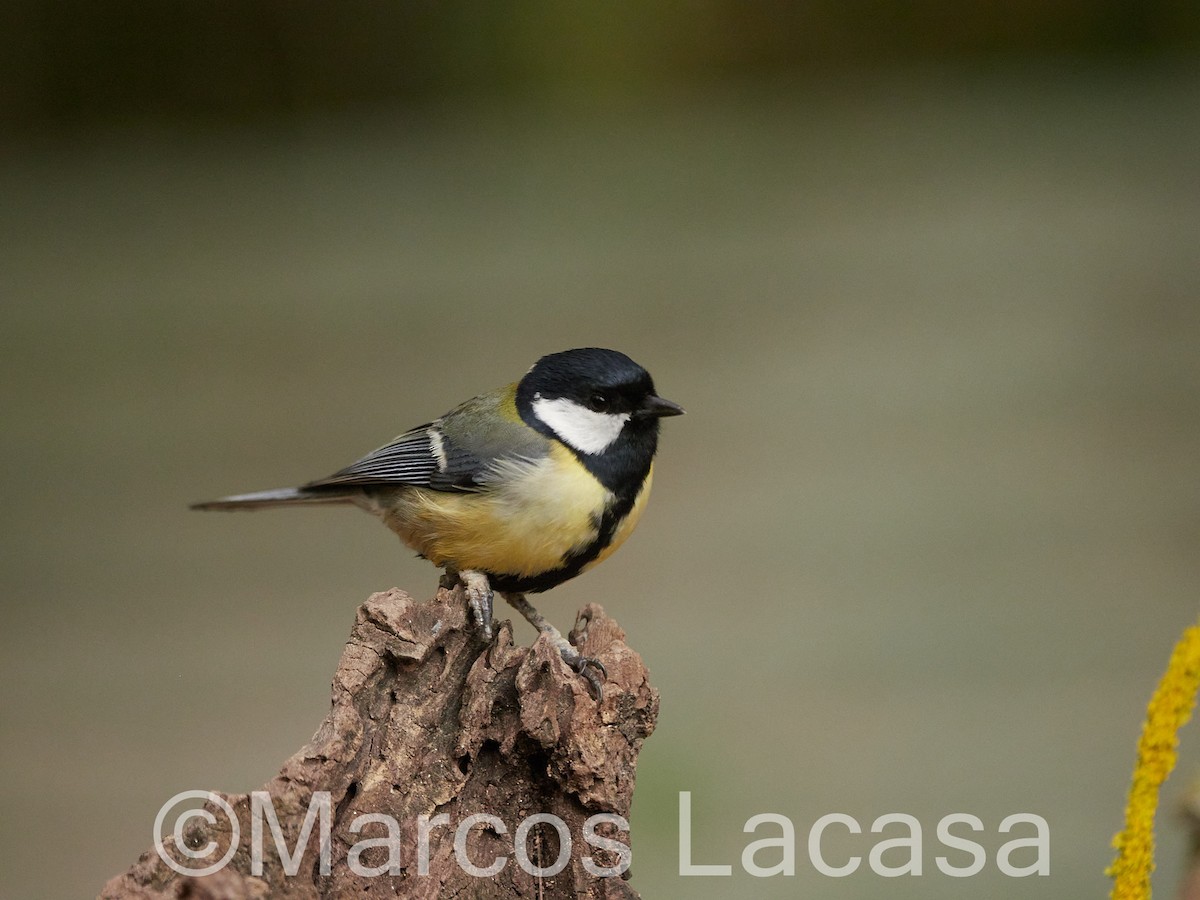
(538, 512)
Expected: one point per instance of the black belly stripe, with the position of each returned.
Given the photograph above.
(572, 563)
(623, 470)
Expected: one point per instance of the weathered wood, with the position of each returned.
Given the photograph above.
(426, 720)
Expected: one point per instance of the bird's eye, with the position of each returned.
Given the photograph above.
(598, 401)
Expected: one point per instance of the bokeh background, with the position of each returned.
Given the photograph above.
(925, 275)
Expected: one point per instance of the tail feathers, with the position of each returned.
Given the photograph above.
(277, 497)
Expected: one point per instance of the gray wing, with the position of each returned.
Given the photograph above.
(454, 453)
(421, 458)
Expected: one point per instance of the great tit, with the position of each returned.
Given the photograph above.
(516, 490)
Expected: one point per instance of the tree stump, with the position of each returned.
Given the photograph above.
(429, 727)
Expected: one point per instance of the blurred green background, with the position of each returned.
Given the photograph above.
(925, 277)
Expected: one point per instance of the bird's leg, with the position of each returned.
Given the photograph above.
(586, 666)
(479, 598)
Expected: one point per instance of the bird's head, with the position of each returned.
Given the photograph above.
(588, 398)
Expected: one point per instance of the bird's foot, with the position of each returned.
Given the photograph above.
(479, 599)
(586, 666)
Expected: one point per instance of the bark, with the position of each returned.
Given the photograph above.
(426, 720)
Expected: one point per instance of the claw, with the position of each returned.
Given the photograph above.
(586, 667)
(583, 665)
(479, 598)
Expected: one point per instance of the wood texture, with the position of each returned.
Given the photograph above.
(428, 720)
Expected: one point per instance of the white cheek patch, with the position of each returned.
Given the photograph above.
(584, 429)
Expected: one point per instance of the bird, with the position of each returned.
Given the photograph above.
(514, 491)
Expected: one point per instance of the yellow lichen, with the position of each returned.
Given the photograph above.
(1170, 707)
